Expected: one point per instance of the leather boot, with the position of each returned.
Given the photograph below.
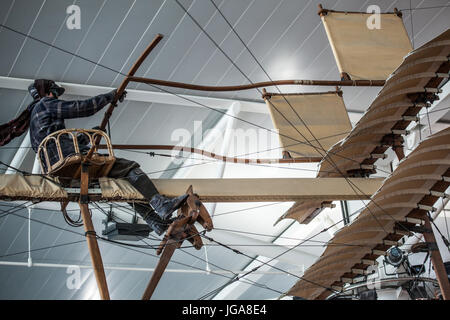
(156, 223)
(164, 206)
(153, 220)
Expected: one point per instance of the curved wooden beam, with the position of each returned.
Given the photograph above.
(343, 83)
(211, 154)
(123, 85)
(131, 73)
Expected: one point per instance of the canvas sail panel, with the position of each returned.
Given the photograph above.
(365, 53)
(324, 114)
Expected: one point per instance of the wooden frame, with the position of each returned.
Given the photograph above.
(209, 190)
(405, 94)
(385, 220)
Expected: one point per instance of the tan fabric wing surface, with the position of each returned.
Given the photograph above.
(365, 53)
(119, 189)
(376, 229)
(324, 114)
(36, 188)
(18, 187)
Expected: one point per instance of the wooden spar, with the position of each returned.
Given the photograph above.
(342, 83)
(15, 187)
(323, 12)
(272, 189)
(211, 154)
(91, 236)
(438, 264)
(169, 250)
(125, 82)
(123, 86)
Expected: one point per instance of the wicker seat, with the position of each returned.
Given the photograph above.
(70, 166)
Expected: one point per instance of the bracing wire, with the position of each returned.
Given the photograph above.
(81, 57)
(259, 64)
(329, 160)
(131, 248)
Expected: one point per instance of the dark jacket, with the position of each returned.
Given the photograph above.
(48, 116)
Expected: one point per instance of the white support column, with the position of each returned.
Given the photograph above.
(36, 166)
(225, 125)
(36, 170)
(30, 261)
(233, 112)
(211, 138)
(20, 155)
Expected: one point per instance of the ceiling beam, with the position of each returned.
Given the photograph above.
(142, 95)
(85, 90)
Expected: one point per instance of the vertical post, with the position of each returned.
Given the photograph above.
(30, 261)
(91, 236)
(20, 155)
(36, 170)
(232, 112)
(438, 264)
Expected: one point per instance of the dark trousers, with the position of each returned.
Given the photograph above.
(130, 170)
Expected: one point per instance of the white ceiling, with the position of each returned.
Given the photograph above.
(287, 38)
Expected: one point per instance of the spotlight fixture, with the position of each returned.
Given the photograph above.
(395, 256)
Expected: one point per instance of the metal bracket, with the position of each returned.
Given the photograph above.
(84, 199)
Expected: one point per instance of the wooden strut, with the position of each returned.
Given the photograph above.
(123, 86)
(342, 83)
(211, 154)
(91, 236)
(395, 140)
(438, 264)
(181, 229)
(84, 185)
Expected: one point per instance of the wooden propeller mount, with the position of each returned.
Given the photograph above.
(180, 230)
